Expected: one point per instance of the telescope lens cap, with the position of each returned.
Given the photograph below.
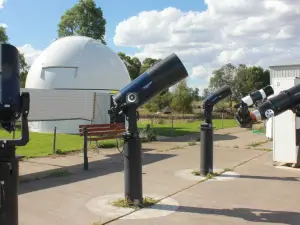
(268, 90)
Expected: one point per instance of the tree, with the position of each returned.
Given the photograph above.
(24, 68)
(223, 76)
(195, 94)
(22, 62)
(147, 63)
(182, 98)
(159, 102)
(249, 79)
(205, 93)
(133, 65)
(3, 35)
(85, 19)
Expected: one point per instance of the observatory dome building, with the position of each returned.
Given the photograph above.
(75, 63)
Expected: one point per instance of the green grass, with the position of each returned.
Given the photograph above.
(124, 203)
(42, 144)
(184, 128)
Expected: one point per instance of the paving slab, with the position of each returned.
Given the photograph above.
(262, 195)
(62, 200)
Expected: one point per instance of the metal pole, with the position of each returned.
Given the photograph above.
(9, 172)
(172, 118)
(206, 140)
(206, 151)
(133, 159)
(85, 157)
(54, 141)
(222, 125)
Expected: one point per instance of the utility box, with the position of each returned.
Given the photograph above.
(286, 126)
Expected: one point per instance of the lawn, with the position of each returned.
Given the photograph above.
(42, 144)
(184, 128)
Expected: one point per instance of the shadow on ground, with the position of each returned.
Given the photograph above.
(96, 168)
(251, 215)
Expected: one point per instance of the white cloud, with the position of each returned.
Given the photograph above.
(256, 32)
(3, 25)
(2, 2)
(29, 52)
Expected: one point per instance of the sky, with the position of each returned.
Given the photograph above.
(205, 34)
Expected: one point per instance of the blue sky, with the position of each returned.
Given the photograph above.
(35, 22)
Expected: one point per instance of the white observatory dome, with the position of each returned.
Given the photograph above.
(75, 63)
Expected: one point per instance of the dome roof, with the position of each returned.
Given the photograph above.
(78, 62)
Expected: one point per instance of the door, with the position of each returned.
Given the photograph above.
(102, 105)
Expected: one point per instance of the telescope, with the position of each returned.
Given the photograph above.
(213, 99)
(160, 77)
(206, 129)
(286, 100)
(254, 97)
(156, 79)
(13, 106)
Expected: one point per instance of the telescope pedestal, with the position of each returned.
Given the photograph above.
(206, 141)
(9, 173)
(206, 153)
(132, 159)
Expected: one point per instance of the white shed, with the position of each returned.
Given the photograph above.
(286, 126)
(77, 63)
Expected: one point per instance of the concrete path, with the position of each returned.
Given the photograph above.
(262, 195)
(254, 193)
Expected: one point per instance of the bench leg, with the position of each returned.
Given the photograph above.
(85, 156)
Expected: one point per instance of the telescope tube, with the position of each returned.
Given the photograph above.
(9, 83)
(159, 77)
(285, 100)
(258, 95)
(217, 96)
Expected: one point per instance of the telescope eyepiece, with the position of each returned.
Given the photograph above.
(268, 90)
(132, 98)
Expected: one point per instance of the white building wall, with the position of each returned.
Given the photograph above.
(285, 126)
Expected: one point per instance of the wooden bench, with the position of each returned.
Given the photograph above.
(98, 132)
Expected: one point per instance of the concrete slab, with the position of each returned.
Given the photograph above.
(262, 195)
(62, 200)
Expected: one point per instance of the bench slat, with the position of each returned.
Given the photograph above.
(102, 125)
(104, 133)
(102, 129)
(103, 138)
(101, 132)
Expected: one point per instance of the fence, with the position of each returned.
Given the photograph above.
(177, 125)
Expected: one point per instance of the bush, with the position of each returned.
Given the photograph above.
(160, 121)
(147, 135)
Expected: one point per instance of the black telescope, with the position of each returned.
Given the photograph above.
(10, 100)
(161, 76)
(206, 129)
(13, 106)
(255, 96)
(286, 100)
(213, 99)
(156, 79)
